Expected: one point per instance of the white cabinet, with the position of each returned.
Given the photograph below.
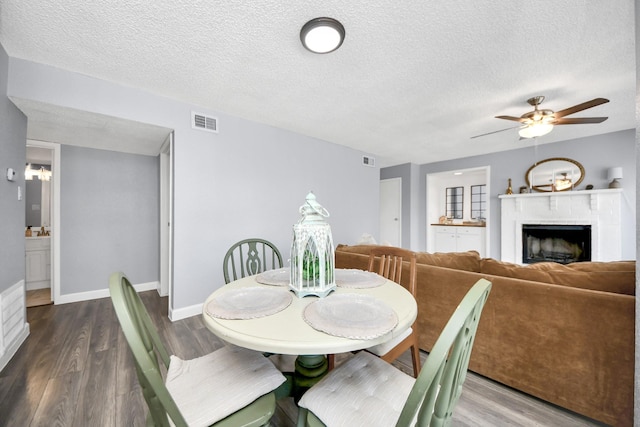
(452, 238)
(38, 262)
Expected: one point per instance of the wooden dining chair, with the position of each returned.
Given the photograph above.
(230, 387)
(387, 262)
(366, 390)
(248, 257)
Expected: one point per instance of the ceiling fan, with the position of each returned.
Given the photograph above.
(541, 121)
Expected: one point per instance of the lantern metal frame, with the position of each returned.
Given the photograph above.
(312, 252)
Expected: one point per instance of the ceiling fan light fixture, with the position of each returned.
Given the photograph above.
(322, 35)
(535, 129)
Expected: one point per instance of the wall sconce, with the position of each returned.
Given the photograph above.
(614, 174)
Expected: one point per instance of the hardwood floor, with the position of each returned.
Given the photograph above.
(75, 369)
(39, 297)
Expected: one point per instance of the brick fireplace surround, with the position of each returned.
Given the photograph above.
(601, 209)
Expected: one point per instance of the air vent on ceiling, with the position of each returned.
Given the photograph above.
(368, 161)
(204, 122)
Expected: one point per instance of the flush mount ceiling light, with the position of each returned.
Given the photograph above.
(322, 35)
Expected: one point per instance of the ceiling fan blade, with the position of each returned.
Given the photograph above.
(578, 121)
(515, 119)
(495, 131)
(580, 107)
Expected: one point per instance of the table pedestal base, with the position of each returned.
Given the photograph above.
(309, 369)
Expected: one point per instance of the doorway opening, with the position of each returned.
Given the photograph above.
(42, 222)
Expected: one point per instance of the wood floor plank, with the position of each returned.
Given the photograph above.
(131, 409)
(126, 379)
(97, 403)
(77, 357)
(75, 350)
(104, 331)
(58, 404)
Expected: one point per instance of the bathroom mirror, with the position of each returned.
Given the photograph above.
(554, 174)
(38, 191)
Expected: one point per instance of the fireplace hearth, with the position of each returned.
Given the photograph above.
(558, 243)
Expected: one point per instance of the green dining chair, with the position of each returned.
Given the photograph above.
(367, 391)
(230, 387)
(248, 257)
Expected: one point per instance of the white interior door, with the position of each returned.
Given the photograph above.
(166, 220)
(391, 212)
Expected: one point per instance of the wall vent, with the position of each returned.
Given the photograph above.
(368, 161)
(204, 122)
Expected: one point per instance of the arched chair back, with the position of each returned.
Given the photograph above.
(343, 396)
(248, 257)
(439, 385)
(147, 348)
(193, 391)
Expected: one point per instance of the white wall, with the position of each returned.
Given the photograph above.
(248, 180)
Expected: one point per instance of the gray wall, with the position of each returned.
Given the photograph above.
(597, 154)
(13, 152)
(248, 180)
(109, 218)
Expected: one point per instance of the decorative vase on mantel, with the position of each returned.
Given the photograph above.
(509, 189)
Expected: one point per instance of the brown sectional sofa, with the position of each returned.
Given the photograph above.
(562, 333)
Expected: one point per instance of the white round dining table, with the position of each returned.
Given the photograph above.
(287, 332)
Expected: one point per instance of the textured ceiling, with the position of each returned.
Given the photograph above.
(413, 81)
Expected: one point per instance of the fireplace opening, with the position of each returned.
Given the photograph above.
(558, 243)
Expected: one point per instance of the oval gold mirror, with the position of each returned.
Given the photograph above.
(555, 174)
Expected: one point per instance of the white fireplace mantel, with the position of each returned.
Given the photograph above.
(601, 209)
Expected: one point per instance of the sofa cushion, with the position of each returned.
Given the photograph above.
(617, 279)
(467, 261)
(604, 266)
(507, 269)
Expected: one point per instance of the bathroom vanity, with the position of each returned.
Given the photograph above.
(38, 262)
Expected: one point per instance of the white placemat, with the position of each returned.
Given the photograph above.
(278, 277)
(249, 303)
(358, 279)
(352, 316)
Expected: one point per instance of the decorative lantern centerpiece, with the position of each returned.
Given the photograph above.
(312, 252)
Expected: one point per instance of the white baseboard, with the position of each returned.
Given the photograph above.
(13, 347)
(102, 293)
(183, 313)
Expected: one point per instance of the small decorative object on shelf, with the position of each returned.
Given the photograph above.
(509, 189)
(614, 174)
(312, 252)
(524, 189)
